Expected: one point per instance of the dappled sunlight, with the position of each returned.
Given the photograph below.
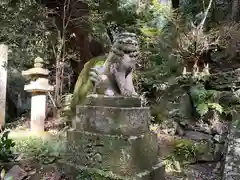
(22, 134)
(119, 89)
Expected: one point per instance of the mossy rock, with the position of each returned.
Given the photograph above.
(187, 151)
(86, 175)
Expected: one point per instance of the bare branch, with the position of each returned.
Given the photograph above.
(200, 26)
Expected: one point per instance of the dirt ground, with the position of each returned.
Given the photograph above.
(36, 171)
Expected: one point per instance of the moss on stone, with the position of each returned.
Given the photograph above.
(84, 85)
(86, 175)
(118, 154)
(185, 150)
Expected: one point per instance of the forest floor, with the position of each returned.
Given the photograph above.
(34, 170)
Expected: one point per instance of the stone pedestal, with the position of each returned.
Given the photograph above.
(111, 136)
(39, 88)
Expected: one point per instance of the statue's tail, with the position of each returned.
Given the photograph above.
(84, 84)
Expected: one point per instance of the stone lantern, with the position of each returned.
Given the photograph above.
(39, 87)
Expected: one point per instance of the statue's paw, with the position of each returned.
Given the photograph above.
(109, 92)
(103, 77)
(93, 79)
(94, 76)
(134, 94)
(130, 94)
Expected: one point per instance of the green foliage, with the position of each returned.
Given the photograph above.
(169, 47)
(158, 36)
(84, 175)
(6, 145)
(204, 100)
(28, 30)
(24, 28)
(97, 175)
(45, 151)
(110, 13)
(159, 113)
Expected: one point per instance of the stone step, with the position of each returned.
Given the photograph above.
(156, 172)
(122, 155)
(112, 101)
(112, 120)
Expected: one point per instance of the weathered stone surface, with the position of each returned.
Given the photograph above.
(206, 151)
(112, 101)
(216, 121)
(218, 151)
(225, 80)
(229, 98)
(111, 136)
(200, 127)
(38, 111)
(122, 155)
(219, 127)
(180, 131)
(38, 86)
(156, 172)
(112, 120)
(232, 162)
(195, 135)
(16, 173)
(206, 157)
(219, 138)
(37, 70)
(3, 82)
(185, 107)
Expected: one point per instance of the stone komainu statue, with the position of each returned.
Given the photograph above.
(112, 77)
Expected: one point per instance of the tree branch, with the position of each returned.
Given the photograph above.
(200, 26)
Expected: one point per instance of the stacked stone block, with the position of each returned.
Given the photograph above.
(111, 135)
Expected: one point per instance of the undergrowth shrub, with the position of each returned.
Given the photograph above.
(205, 100)
(87, 175)
(184, 152)
(43, 150)
(6, 146)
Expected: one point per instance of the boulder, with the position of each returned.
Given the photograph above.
(198, 136)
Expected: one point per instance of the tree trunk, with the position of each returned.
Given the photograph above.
(175, 4)
(11, 110)
(77, 19)
(236, 10)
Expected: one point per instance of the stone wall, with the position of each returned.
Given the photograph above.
(178, 117)
(229, 84)
(231, 170)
